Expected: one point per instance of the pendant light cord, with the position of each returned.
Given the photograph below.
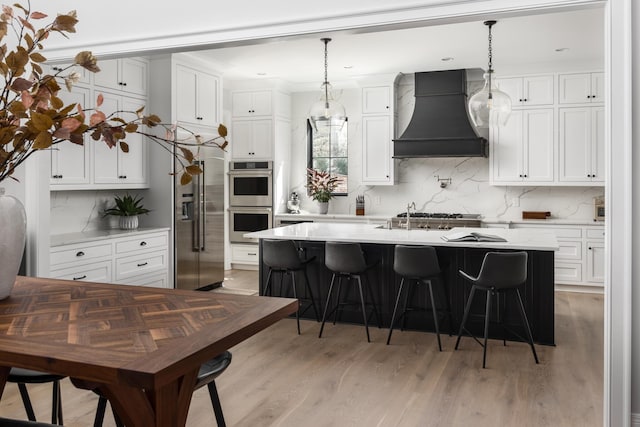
(326, 78)
(490, 71)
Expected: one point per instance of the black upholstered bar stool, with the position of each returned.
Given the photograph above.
(346, 261)
(6, 422)
(501, 272)
(209, 371)
(27, 376)
(418, 265)
(281, 256)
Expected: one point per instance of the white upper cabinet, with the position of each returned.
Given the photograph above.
(252, 139)
(376, 100)
(523, 149)
(64, 69)
(70, 162)
(197, 97)
(252, 103)
(127, 75)
(581, 145)
(528, 91)
(580, 88)
(377, 135)
(113, 168)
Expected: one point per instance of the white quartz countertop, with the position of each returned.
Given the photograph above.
(549, 221)
(88, 236)
(525, 239)
(348, 217)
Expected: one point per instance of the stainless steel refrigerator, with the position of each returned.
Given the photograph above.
(199, 228)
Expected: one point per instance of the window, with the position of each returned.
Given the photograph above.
(327, 151)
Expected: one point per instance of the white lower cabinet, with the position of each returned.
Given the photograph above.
(139, 259)
(579, 259)
(244, 254)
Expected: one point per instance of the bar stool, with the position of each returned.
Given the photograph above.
(209, 371)
(281, 256)
(346, 260)
(418, 264)
(27, 376)
(6, 422)
(501, 272)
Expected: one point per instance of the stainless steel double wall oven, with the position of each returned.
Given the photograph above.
(250, 199)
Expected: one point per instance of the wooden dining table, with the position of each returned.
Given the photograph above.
(141, 347)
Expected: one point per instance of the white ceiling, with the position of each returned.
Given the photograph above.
(518, 43)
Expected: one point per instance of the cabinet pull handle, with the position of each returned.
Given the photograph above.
(521, 100)
(142, 264)
(80, 253)
(122, 176)
(124, 84)
(252, 253)
(525, 100)
(84, 276)
(143, 243)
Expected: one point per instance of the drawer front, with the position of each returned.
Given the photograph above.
(244, 254)
(595, 233)
(94, 272)
(154, 280)
(570, 250)
(78, 253)
(566, 272)
(148, 242)
(560, 232)
(135, 265)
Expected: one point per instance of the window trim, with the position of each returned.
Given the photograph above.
(310, 155)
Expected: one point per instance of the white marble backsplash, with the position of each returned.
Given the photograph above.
(81, 211)
(469, 191)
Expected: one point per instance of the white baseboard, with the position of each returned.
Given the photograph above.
(635, 420)
(580, 288)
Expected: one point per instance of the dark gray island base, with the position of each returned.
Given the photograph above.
(537, 293)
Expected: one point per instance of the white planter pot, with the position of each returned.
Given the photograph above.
(129, 222)
(13, 226)
(324, 207)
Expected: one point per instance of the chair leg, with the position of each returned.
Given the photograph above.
(364, 311)
(267, 288)
(435, 315)
(326, 305)
(486, 328)
(26, 401)
(466, 314)
(313, 300)
(373, 302)
(338, 294)
(100, 410)
(395, 310)
(293, 287)
(445, 290)
(526, 324)
(411, 288)
(215, 402)
(56, 404)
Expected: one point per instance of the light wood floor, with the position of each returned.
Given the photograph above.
(278, 378)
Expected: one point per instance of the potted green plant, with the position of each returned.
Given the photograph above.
(321, 186)
(127, 208)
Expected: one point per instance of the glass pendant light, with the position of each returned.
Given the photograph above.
(327, 112)
(489, 106)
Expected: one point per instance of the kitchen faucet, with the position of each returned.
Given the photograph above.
(409, 206)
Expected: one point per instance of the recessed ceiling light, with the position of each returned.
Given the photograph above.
(447, 59)
(348, 67)
(562, 49)
(262, 74)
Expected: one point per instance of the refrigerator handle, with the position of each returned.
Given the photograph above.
(203, 207)
(196, 215)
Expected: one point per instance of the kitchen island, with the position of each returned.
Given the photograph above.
(378, 244)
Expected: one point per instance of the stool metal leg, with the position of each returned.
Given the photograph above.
(364, 311)
(26, 401)
(526, 324)
(338, 299)
(293, 286)
(215, 402)
(466, 314)
(313, 300)
(267, 288)
(56, 406)
(373, 302)
(486, 328)
(326, 305)
(435, 314)
(102, 407)
(395, 310)
(445, 290)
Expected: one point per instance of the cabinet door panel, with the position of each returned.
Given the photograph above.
(513, 88)
(262, 103)
(105, 159)
(207, 96)
(70, 162)
(262, 139)
(134, 76)
(376, 149)
(597, 144)
(376, 100)
(597, 87)
(574, 88)
(108, 75)
(575, 137)
(538, 90)
(242, 104)
(506, 149)
(595, 262)
(539, 152)
(242, 139)
(133, 165)
(185, 94)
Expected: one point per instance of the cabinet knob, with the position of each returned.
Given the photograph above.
(56, 68)
(525, 100)
(520, 176)
(588, 176)
(593, 96)
(143, 243)
(588, 96)
(124, 84)
(122, 176)
(84, 276)
(387, 107)
(80, 253)
(593, 176)
(521, 100)
(590, 248)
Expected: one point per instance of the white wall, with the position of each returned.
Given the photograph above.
(469, 191)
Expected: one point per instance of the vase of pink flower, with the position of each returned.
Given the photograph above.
(321, 186)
